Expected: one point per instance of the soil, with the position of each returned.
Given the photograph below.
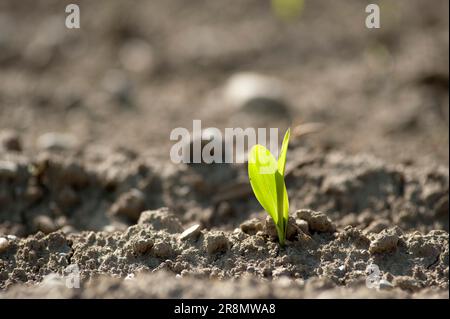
(86, 179)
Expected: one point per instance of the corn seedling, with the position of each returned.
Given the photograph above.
(266, 176)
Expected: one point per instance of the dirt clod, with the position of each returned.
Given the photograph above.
(129, 205)
(44, 224)
(407, 283)
(216, 242)
(142, 246)
(161, 219)
(251, 226)
(163, 250)
(317, 221)
(385, 241)
(10, 141)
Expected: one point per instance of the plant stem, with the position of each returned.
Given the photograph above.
(281, 234)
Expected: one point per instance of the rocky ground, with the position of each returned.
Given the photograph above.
(86, 180)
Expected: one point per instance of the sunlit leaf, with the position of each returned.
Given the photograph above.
(267, 181)
(282, 157)
(262, 167)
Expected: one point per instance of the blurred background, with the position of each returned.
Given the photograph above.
(137, 69)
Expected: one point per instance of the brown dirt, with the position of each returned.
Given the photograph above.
(370, 187)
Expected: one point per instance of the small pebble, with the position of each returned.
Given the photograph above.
(245, 87)
(54, 141)
(4, 244)
(303, 225)
(44, 223)
(68, 229)
(8, 169)
(192, 232)
(385, 285)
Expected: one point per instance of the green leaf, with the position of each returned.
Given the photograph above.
(262, 167)
(282, 157)
(281, 198)
(267, 181)
(281, 169)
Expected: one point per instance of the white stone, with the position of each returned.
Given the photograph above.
(245, 86)
(191, 232)
(385, 285)
(4, 244)
(56, 141)
(7, 168)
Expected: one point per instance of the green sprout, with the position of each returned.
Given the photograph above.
(267, 180)
(287, 9)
